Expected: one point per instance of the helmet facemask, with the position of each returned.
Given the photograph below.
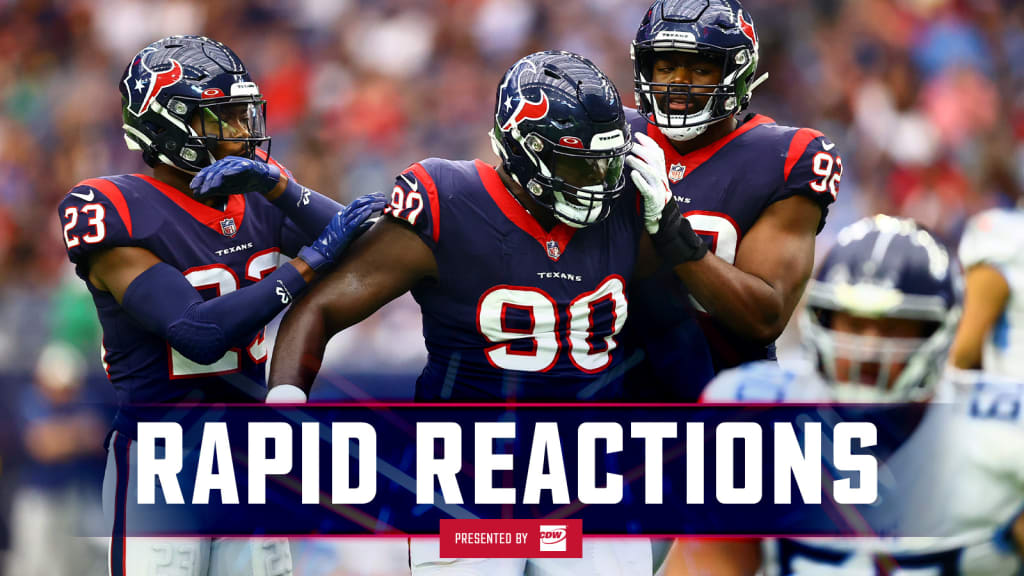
(729, 96)
(878, 368)
(578, 185)
(232, 120)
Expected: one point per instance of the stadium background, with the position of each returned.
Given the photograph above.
(923, 98)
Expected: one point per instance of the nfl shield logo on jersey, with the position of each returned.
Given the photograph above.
(554, 252)
(227, 227)
(675, 172)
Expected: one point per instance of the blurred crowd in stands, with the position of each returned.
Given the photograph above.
(925, 99)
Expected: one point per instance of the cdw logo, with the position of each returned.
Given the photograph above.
(552, 537)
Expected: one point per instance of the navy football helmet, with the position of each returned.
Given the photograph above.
(884, 267)
(720, 30)
(174, 78)
(561, 133)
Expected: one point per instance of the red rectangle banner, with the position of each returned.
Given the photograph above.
(511, 538)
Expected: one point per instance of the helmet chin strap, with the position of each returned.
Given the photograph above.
(681, 133)
(167, 161)
(577, 216)
(566, 220)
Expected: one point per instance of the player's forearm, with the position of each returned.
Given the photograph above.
(970, 338)
(299, 347)
(380, 266)
(307, 208)
(307, 272)
(966, 353)
(746, 304)
(985, 298)
(164, 302)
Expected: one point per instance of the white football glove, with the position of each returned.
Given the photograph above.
(673, 237)
(647, 160)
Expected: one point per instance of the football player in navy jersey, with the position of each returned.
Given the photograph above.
(756, 191)
(520, 270)
(184, 286)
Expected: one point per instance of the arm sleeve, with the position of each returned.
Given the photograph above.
(812, 168)
(306, 209)
(164, 302)
(294, 238)
(414, 200)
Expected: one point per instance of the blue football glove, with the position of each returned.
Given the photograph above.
(235, 175)
(342, 229)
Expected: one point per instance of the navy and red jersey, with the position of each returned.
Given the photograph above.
(218, 251)
(518, 312)
(722, 189)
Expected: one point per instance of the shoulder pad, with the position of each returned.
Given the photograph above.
(813, 168)
(636, 120)
(414, 199)
(94, 215)
(988, 238)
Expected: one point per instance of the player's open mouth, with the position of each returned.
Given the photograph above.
(682, 105)
(869, 373)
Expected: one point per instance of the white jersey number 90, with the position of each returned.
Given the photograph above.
(542, 334)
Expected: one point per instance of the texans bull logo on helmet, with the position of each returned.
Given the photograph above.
(144, 84)
(747, 27)
(525, 110)
(528, 111)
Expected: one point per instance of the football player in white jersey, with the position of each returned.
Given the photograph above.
(991, 334)
(879, 321)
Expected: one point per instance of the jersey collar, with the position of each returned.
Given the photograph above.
(694, 159)
(227, 222)
(554, 242)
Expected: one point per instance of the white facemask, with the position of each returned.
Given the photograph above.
(578, 216)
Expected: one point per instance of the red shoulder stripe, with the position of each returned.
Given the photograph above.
(435, 212)
(113, 193)
(797, 146)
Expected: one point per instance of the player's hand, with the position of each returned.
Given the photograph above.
(672, 235)
(235, 175)
(341, 230)
(647, 160)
